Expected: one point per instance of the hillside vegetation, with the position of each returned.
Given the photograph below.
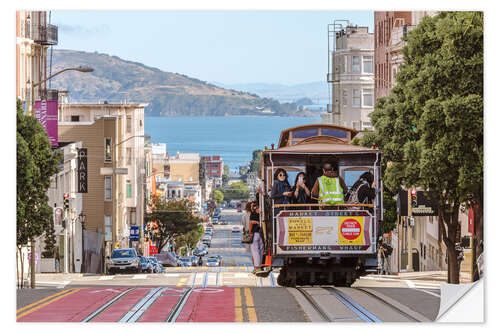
(168, 94)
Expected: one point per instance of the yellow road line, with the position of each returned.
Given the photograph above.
(181, 282)
(43, 300)
(248, 297)
(238, 315)
(237, 297)
(252, 315)
(47, 303)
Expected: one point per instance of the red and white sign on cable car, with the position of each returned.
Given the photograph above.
(350, 229)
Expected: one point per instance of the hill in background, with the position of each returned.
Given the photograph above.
(168, 94)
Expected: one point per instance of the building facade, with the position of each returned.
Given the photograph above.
(130, 149)
(34, 35)
(351, 75)
(213, 166)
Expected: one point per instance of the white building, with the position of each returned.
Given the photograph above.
(350, 72)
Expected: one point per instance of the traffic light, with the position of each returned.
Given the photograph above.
(66, 201)
(414, 198)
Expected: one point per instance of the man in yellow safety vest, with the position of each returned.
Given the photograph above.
(329, 188)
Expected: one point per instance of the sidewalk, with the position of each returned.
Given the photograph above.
(441, 276)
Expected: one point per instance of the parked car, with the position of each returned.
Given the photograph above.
(146, 265)
(223, 223)
(236, 229)
(157, 267)
(166, 259)
(123, 260)
(212, 262)
(207, 240)
(196, 260)
(186, 261)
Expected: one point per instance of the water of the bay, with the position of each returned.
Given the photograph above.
(233, 138)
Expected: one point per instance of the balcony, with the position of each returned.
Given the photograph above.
(45, 34)
(49, 94)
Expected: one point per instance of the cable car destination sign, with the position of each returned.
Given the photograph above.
(318, 230)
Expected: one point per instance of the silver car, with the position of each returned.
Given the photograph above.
(123, 260)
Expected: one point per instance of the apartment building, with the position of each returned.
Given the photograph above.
(104, 214)
(34, 35)
(130, 146)
(350, 73)
(185, 167)
(213, 166)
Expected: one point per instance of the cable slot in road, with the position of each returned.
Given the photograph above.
(136, 312)
(177, 309)
(107, 305)
(360, 311)
(315, 305)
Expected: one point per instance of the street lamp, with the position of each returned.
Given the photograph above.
(82, 222)
(83, 69)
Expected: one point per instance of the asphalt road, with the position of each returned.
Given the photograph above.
(229, 293)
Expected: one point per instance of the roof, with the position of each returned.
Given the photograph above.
(286, 132)
(323, 148)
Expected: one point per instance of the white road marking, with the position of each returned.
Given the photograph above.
(429, 292)
(171, 274)
(98, 291)
(240, 275)
(107, 277)
(141, 276)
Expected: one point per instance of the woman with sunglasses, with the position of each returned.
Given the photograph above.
(281, 192)
(301, 193)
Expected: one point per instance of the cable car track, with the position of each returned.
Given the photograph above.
(177, 309)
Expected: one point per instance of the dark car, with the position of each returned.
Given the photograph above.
(157, 267)
(146, 265)
(167, 259)
(186, 261)
(123, 260)
(196, 260)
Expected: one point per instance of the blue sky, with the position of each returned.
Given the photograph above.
(286, 47)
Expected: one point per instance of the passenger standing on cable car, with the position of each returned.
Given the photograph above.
(329, 188)
(301, 193)
(281, 192)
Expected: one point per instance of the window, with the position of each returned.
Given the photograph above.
(367, 97)
(108, 187)
(129, 124)
(129, 156)
(356, 65)
(129, 190)
(344, 97)
(75, 118)
(356, 98)
(345, 64)
(108, 230)
(108, 157)
(366, 125)
(368, 64)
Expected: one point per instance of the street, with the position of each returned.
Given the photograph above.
(229, 293)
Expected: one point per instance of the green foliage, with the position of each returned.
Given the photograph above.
(174, 219)
(226, 170)
(188, 240)
(50, 242)
(36, 163)
(390, 215)
(236, 191)
(430, 127)
(219, 196)
(255, 163)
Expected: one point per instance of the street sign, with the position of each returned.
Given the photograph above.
(134, 233)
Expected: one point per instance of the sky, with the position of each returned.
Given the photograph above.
(285, 47)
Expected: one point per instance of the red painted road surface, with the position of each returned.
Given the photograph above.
(203, 305)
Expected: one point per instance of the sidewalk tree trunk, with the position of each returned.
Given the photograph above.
(430, 127)
(36, 163)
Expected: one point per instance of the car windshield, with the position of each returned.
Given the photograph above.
(185, 260)
(212, 259)
(143, 260)
(123, 254)
(153, 260)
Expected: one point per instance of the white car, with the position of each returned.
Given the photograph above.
(236, 229)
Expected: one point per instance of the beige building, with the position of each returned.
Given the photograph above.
(350, 72)
(34, 35)
(101, 205)
(185, 167)
(129, 144)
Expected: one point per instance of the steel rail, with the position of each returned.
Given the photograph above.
(360, 311)
(138, 309)
(177, 309)
(315, 305)
(389, 304)
(107, 305)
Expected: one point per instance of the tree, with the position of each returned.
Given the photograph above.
(190, 239)
(236, 191)
(50, 242)
(173, 219)
(36, 163)
(431, 125)
(219, 196)
(255, 163)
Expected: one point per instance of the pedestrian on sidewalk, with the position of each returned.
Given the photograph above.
(257, 247)
(56, 256)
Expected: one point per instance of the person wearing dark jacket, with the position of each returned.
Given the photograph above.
(281, 192)
(300, 192)
(362, 190)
